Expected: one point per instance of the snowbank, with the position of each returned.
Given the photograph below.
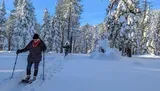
(148, 56)
(113, 54)
(110, 54)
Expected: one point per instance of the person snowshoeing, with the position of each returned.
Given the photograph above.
(67, 48)
(35, 48)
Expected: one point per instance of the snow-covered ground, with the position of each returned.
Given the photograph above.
(80, 72)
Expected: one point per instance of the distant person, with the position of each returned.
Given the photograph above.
(67, 48)
(35, 48)
(129, 53)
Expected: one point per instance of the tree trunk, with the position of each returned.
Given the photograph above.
(74, 46)
(71, 43)
(62, 36)
(69, 23)
(9, 43)
(86, 48)
(69, 27)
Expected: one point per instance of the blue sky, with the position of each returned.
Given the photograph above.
(94, 10)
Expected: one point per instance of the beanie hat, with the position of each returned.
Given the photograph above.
(36, 36)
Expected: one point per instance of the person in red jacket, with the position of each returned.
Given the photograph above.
(35, 48)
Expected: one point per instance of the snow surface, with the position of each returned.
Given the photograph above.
(79, 72)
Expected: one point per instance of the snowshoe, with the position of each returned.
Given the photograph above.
(25, 81)
(28, 80)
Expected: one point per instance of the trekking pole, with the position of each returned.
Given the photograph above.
(14, 66)
(43, 64)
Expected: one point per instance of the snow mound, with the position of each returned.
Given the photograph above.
(98, 55)
(113, 54)
(110, 54)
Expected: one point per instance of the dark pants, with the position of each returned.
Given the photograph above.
(129, 53)
(66, 53)
(29, 65)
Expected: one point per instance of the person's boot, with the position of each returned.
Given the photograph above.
(34, 78)
(28, 78)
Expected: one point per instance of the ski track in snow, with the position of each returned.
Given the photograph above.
(50, 70)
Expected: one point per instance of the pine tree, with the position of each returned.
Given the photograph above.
(60, 24)
(96, 38)
(55, 35)
(152, 44)
(52, 33)
(120, 22)
(9, 33)
(16, 12)
(74, 11)
(156, 38)
(25, 21)
(145, 26)
(87, 33)
(102, 31)
(46, 30)
(68, 14)
(140, 37)
(2, 24)
(38, 28)
(99, 35)
(77, 41)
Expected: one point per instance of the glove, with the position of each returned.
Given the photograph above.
(18, 51)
